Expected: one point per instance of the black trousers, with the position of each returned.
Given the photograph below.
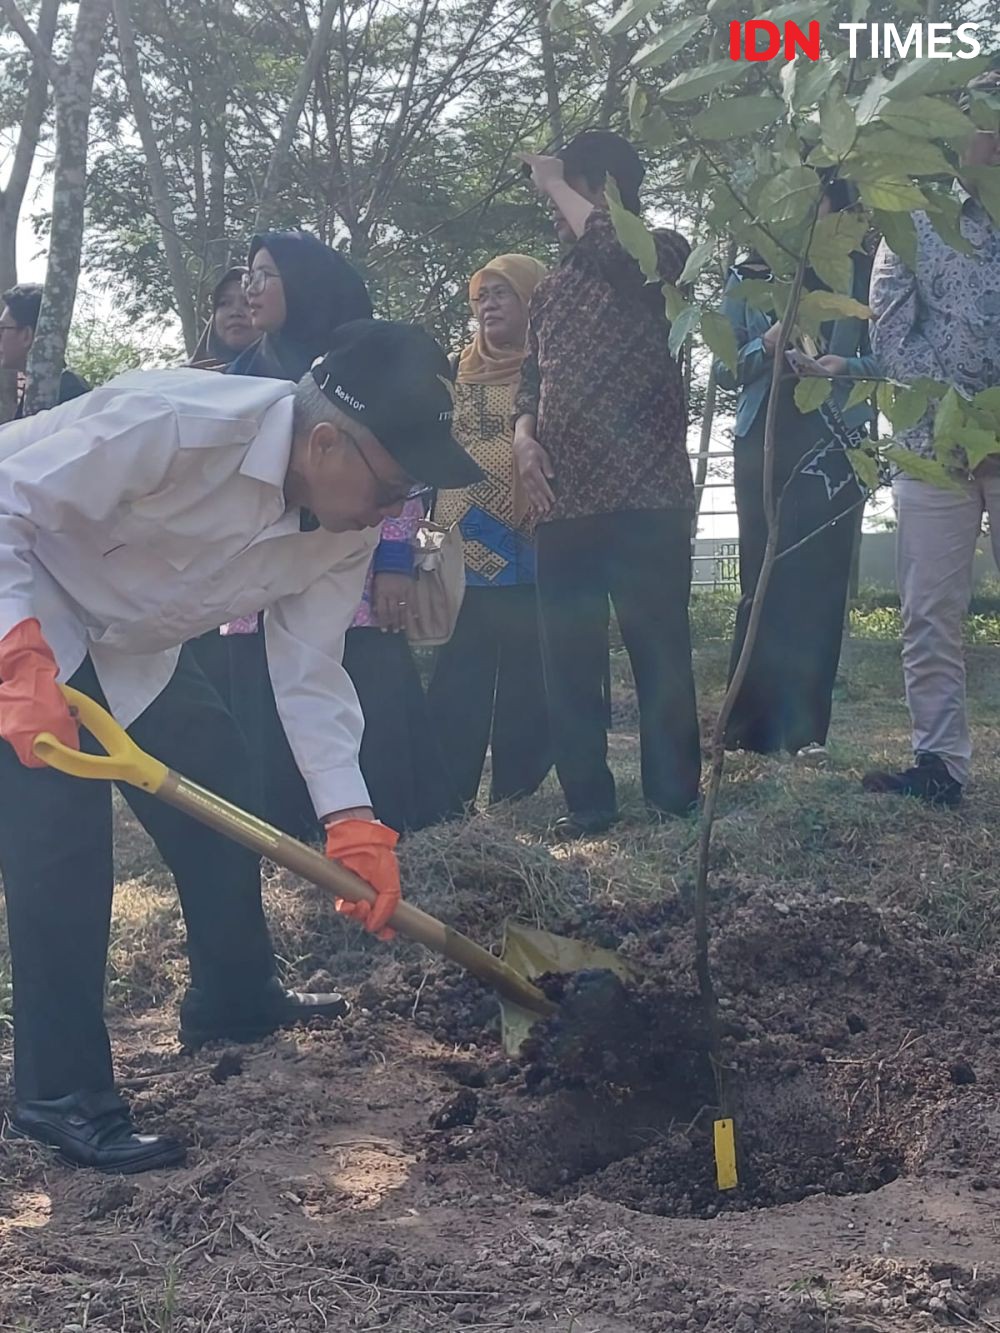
(56, 858)
(642, 560)
(787, 696)
(488, 690)
(279, 791)
(211, 652)
(401, 761)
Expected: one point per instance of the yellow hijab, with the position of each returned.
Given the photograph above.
(480, 363)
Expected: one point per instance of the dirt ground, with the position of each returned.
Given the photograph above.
(397, 1170)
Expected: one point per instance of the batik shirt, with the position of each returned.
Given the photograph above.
(498, 551)
(608, 396)
(940, 319)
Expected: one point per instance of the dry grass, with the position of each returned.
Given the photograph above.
(789, 828)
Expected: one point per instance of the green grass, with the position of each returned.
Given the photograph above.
(874, 614)
(782, 826)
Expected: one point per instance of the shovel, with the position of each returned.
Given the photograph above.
(528, 953)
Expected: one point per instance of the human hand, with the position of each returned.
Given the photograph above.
(368, 849)
(544, 171)
(535, 473)
(770, 339)
(30, 698)
(390, 594)
(832, 365)
(822, 367)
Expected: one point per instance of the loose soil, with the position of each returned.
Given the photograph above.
(397, 1170)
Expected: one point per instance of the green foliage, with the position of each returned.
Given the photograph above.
(812, 393)
(103, 344)
(819, 307)
(865, 464)
(625, 18)
(662, 48)
(737, 117)
(721, 340)
(884, 623)
(893, 130)
(633, 233)
(837, 122)
(695, 83)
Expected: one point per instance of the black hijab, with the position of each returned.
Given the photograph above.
(210, 345)
(322, 291)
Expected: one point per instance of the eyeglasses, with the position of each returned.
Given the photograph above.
(503, 294)
(257, 280)
(387, 493)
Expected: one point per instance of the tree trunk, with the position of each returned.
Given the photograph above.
(35, 103)
(8, 242)
(159, 186)
(611, 99)
(73, 92)
(293, 114)
(705, 439)
(217, 251)
(550, 76)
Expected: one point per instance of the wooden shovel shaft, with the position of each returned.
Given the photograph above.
(305, 861)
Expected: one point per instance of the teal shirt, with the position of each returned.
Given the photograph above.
(844, 337)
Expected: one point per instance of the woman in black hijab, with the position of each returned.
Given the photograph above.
(229, 330)
(299, 292)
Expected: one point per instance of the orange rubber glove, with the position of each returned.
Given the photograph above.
(368, 848)
(30, 699)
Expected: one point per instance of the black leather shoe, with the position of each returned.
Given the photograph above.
(202, 1021)
(584, 824)
(94, 1129)
(928, 779)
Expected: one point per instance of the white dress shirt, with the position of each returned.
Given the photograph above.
(153, 509)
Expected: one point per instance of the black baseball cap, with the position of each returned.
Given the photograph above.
(396, 381)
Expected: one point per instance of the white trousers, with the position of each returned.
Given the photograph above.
(935, 555)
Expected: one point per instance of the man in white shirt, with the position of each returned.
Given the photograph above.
(132, 520)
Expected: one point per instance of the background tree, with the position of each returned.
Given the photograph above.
(72, 81)
(24, 101)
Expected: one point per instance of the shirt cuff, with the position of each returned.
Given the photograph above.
(393, 558)
(337, 789)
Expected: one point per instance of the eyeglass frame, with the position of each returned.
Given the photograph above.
(504, 293)
(382, 499)
(257, 279)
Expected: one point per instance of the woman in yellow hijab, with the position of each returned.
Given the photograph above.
(487, 687)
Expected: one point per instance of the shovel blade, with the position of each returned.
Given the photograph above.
(536, 953)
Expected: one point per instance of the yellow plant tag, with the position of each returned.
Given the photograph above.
(725, 1155)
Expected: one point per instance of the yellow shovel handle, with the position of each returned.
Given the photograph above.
(124, 761)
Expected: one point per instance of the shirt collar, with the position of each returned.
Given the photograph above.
(270, 450)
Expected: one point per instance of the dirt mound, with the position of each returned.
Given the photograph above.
(838, 1086)
(398, 1170)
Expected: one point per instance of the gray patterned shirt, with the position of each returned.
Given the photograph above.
(941, 319)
